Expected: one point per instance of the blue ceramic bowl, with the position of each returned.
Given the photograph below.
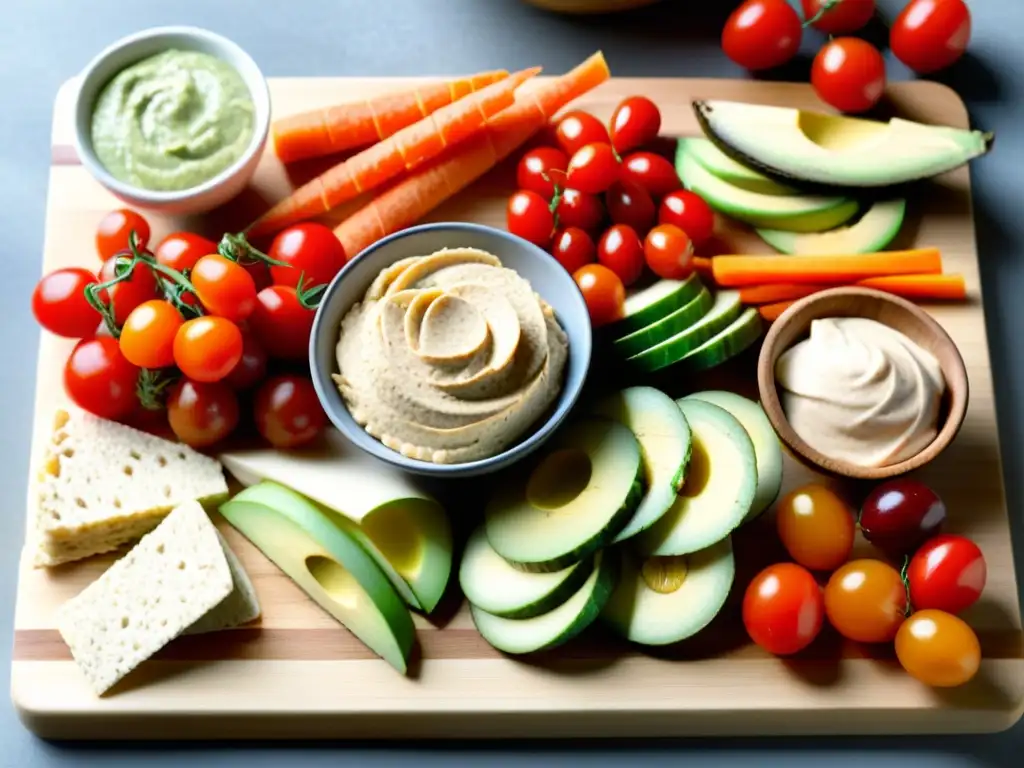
(544, 274)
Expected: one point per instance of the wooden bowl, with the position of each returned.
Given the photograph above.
(907, 318)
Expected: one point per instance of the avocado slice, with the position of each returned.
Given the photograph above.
(558, 626)
(743, 331)
(664, 438)
(724, 167)
(726, 308)
(648, 302)
(767, 449)
(870, 233)
(801, 213)
(719, 489)
(576, 497)
(665, 328)
(329, 566)
(799, 146)
(662, 600)
(493, 585)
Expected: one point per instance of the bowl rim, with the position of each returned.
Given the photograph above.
(254, 79)
(558, 412)
(770, 401)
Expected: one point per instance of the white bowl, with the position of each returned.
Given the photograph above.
(133, 48)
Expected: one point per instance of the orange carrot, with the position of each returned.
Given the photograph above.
(415, 195)
(926, 287)
(767, 294)
(325, 131)
(771, 312)
(405, 150)
(738, 271)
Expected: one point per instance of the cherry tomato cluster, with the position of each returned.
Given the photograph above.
(173, 336)
(606, 206)
(868, 600)
(848, 72)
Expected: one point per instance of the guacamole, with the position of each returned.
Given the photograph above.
(172, 121)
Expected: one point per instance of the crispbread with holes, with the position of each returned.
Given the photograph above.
(240, 607)
(173, 577)
(103, 485)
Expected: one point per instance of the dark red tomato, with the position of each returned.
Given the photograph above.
(849, 74)
(762, 34)
(99, 379)
(628, 203)
(281, 324)
(127, 294)
(652, 172)
(621, 250)
(312, 250)
(59, 304)
(202, 414)
(577, 129)
(573, 249)
(260, 274)
(603, 292)
(929, 35)
(898, 515)
(840, 17)
(593, 168)
(635, 122)
(669, 252)
(114, 228)
(540, 169)
(288, 412)
(252, 367)
(948, 572)
(224, 287)
(181, 250)
(579, 209)
(783, 609)
(529, 216)
(688, 211)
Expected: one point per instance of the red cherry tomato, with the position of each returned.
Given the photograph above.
(260, 274)
(815, 526)
(652, 172)
(281, 324)
(576, 129)
(207, 348)
(842, 17)
(669, 252)
(688, 211)
(783, 609)
(201, 414)
(762, 34)
(251, 368)
(603, 292)
(529, 216)
(579, 209)
(948, 572)
(621, 250)
(573, 249)
(147, 337)
(849, 74)
(929, 35)
(628, 203)
(540, 169)
(593, 168)
(224, 287)
(288, 413)
(59, 304)
(312, 250)
(635, 122)
(865, 600)
(181, 250)
(99, 379)
(127, 294)
(114, 228)
(938, 649)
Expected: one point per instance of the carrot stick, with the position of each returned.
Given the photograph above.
(737, 271)
(415, 195)
(405, 150)
(767, 294)
(926, 287)
(771, 312)
(325, 131)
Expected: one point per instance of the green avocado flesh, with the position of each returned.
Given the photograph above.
(725, 309)
(724, 167)
(650, 301)
(872, 232)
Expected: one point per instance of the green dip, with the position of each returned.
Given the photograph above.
(172, 121)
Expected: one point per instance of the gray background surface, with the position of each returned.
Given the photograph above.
(42, 42)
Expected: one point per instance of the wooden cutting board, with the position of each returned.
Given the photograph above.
(299, 674)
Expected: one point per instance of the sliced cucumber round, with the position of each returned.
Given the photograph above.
(664, 436)
(870, 233)
(557, 626)
(492, 584)
(662, 600)
(719, 489)
(726, 308)
(578, 495)
(725, 345)
(724, 167)
(647, 302)
(660, 330)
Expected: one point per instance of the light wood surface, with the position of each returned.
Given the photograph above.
(299, 674)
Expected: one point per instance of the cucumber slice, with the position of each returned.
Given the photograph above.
(664, 436)
(648, 302)
(557, 626)
(719, 489)
(662, 600)
(871, 233)
(726, 344)
(490, 583)
(767, 449)
(724, 167)
(584, 489)
(726, 308)
(660, 330)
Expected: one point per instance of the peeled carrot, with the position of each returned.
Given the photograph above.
(737, 271)
(325, 131)
(767, 294)
(405, 150)
(933, 287)
(412, 197)
(771, 312)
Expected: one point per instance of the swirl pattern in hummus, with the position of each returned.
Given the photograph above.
(450, 357)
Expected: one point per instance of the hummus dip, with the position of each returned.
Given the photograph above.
(861, 392)
(450, 357)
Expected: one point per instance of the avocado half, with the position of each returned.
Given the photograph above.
(816, 149)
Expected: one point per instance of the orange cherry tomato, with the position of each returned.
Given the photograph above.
(782, 609)
(224, 287)
(603, 291)
(147, 337)
(669, 252)
(866, 601)
(207, 348)
(938, 648)
(816, 527)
